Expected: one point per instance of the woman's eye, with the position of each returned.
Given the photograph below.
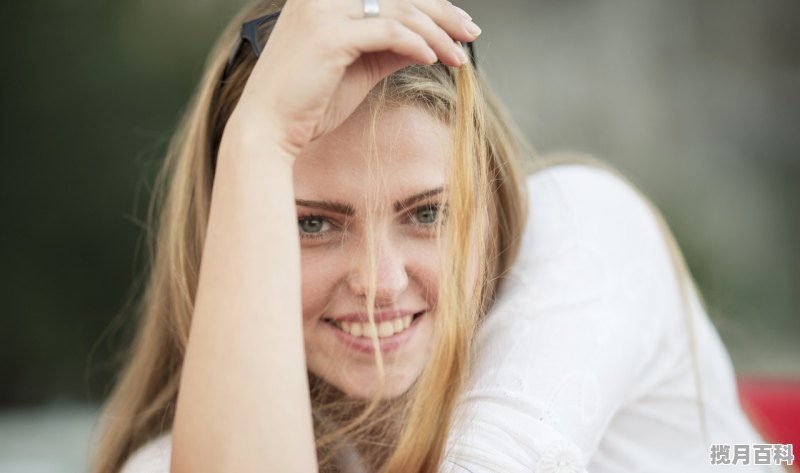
(313, 225)
(427, 215)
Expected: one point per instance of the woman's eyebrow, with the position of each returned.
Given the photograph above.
(329, 205)
(348, 210)
(404, 204)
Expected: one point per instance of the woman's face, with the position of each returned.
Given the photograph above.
(332, 184)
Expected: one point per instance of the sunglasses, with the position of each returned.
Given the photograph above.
(257, 31)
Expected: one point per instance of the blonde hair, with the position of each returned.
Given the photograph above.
(486, 191)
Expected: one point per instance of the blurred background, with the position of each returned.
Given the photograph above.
(698, 101)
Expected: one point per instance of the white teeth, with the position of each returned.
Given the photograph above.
(355, 330)
(367, 330)
(384, 329)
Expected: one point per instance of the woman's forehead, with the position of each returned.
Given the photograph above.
(410, 147)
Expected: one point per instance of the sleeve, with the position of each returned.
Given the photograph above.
(574, 331)
(152, 457)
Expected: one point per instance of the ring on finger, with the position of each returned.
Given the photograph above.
(371, 9)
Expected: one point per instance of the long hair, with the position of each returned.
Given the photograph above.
(486, 204)
(486, 212)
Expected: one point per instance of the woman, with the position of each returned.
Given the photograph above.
(403, 178)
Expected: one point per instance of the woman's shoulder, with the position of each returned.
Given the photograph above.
(152, 457)
(593, 240)
(587, 184)
(582, 201)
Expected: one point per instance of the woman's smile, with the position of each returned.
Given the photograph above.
(392, 329)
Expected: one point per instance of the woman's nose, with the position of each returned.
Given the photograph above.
(391, 278)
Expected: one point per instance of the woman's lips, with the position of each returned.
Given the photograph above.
(391, 333)
(379, 316)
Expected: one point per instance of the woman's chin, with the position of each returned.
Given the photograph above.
(366, 387)
(389, 390)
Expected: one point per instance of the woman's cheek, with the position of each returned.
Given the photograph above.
(318, 280)
(423, 268)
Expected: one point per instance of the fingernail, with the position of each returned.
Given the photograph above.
(462, 55)
(463, 13)
(432, 57)
(472, 28)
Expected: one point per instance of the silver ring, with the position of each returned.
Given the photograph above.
(371, 9)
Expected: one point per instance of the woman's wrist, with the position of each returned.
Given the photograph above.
(256, 135)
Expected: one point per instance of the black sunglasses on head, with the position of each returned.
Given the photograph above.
(255, 33)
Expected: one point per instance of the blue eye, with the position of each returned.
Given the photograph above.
(427, 214)
(313, 225)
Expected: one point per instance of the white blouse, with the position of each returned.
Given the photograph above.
(584, 361)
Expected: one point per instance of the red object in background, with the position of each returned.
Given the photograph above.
(773, 405)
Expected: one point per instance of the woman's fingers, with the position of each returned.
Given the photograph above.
(439, 22)
(437, 38)
(455, 21)
(384, 34)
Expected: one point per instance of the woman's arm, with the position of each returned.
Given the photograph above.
(245, 356)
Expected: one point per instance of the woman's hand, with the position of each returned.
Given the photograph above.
(323, 57)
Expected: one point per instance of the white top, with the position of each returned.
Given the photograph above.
(584, 362)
